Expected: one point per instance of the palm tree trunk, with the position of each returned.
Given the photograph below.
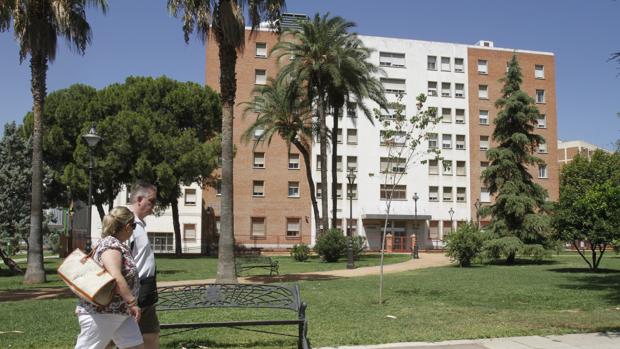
(34, 272)
(335, 169)
(323, 146)
(228, 87)
(177, 228)
(315, 207)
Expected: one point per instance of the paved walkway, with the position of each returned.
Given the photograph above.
(609, 340)
(426, 260)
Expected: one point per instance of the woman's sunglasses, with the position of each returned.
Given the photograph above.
(132, 225)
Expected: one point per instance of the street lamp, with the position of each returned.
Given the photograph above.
(415, 200)
(451, 212)
(92, 139)
(351, 179)
(477, 206)
(415, 246)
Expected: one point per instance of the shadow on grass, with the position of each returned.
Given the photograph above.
(35, 294)
(606, 281)
(266, 279)
(519, 261)
(585, 270)
(169, 272)
(183, 256)
(195, 344)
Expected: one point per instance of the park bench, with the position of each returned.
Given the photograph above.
(236, 296)
(256, 262)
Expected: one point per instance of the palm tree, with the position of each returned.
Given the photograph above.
(283, 110)
(37, 25)
(314, 50)
(357, 82)
(225, 18)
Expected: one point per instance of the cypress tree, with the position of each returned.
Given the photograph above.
(519, 201)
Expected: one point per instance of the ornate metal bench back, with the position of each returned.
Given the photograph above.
(229, 295)
(253, 260)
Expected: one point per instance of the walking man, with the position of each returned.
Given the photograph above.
(143, 198)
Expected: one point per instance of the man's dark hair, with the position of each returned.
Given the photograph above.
(141, 189)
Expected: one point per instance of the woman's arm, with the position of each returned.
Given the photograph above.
(111, 260)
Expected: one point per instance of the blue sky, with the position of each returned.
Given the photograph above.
(138, 37)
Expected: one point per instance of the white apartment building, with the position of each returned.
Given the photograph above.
(159, 225)
(410, 67)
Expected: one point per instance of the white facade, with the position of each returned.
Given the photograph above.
(407, 60)
(159, 225)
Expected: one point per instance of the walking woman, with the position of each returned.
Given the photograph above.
(118, 321)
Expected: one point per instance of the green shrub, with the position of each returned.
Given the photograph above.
(464, 244)
(300, 252)
(615, 244)
(537, 252)
(359, 245)
(503, 247)
(331, 245)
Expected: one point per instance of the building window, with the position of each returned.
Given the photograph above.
(318, 162)
(393, 138)
(319, 190)
(431, 62)
(460, 116)
(446, 115)
(483, 166)
(432, 140)
(351, 163)
(542, 148)
(539, 71)
(190, 197)
(459, 90)
(483, 91)
(485, 195)
(259, 160)
(393, 165)
(542, 171)
(293, 227)
(447, 167)
(446, 141)
(258, 227)
(460, 142)
(433, 194)
(459, 65)
(260, 77)
(261, 49)
(396, 86)
(293, 189)
(447, 194)
(293, 161)
(189, 231)
(339, 190)
(351, 110)
(446, 89)
(339, 163)
(445, 64)
(258, 188)
(391, 59)
(339, 136)
(460, 168)
(398, 192)
(484, 117)
(218, 187)
(351, 136)
(483, 67)
(161, 242)
(353, 190)
(258, 133)
(460, 194)
(393, 111)
(484, 142)
(541, 121)
(540, 96)
(433, 167)
(432, 88)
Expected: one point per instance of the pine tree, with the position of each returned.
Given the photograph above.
(519, 201)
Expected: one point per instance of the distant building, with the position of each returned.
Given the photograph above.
(569, 149)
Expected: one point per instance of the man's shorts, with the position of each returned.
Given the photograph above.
(149, 323)
(96, 331)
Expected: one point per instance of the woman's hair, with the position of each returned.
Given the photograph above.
(116, 220)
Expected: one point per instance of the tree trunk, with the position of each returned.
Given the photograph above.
(306, 155)
(177, 228)
(323, 146)
(35, 273)
(13, 267)
(228, 86)
(510, 260)
(100, 211)
(335, 169)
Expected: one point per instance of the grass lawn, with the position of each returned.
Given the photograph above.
(557, 297)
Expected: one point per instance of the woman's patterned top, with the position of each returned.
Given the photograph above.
(129, 271)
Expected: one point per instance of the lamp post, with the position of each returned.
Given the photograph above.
(477, 206)
(92, 139)
(451, 212)
(415, 201)
(351, 179)
(415, 212)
